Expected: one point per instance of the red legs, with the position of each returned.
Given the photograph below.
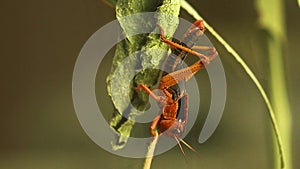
(156, 98)
(153, 125)
(202, 48)
(213, 52)
(185, 97)
(157, 118)
(188, 50)
(160, 100)
(147, 90)
(205, 59)
(186, 106)
(169, 107)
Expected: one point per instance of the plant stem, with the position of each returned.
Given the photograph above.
(273, 23)
(150, 153)
(236, 56)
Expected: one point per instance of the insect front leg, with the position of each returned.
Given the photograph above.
(154, 124)
(185, 107)
(212, 52)
(183, 119)
(147, 90)
(159, 99)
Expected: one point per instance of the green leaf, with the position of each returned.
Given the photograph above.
(145, 58)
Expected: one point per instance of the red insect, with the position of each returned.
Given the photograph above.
(173, 97)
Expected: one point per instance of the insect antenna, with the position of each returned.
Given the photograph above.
(180, 147)
(190, 147)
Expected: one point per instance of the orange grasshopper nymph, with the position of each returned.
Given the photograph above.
(173, 97)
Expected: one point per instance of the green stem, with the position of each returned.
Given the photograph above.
(273, 23)
(150, 153)
(236, 56)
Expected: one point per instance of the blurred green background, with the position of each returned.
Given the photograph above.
(39, 128)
